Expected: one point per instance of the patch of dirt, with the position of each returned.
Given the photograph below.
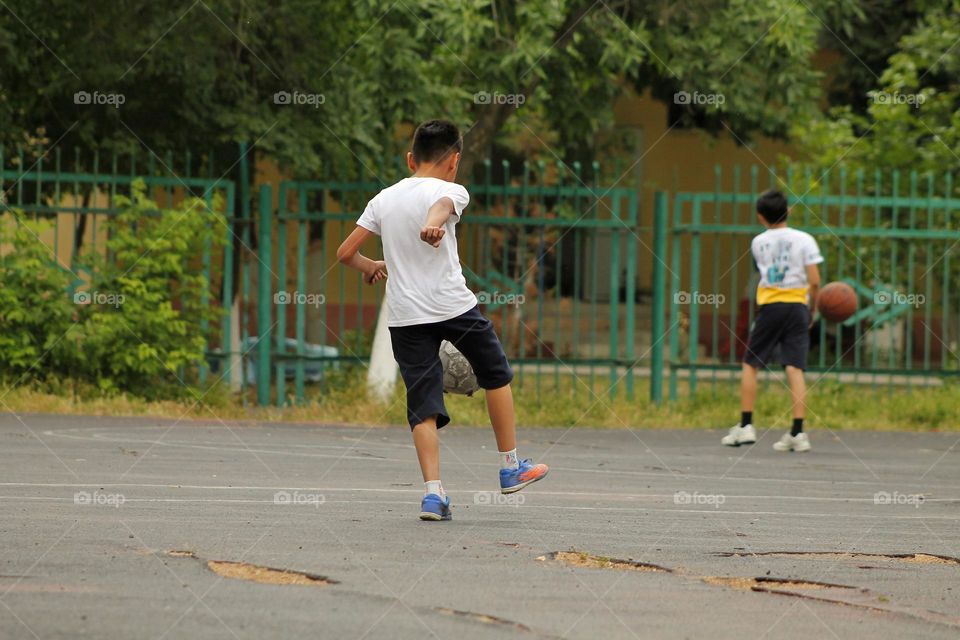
(255, 572)
(829, 593)
(764, 584)
(590, 561)
(736, 583)
(926, 558)
(265, 575)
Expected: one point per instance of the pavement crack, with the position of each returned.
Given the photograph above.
(257, 573)
(583, 559)
(766, 584)
(914, 558)
(484, 618)
(826, 592)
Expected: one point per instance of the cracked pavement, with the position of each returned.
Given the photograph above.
(857, 537)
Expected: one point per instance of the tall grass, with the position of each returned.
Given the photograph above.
(343, 399)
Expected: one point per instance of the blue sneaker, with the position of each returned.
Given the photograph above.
(433, 507)
(512, 480)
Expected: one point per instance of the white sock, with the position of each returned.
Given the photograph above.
(434, 486)
(508, 460)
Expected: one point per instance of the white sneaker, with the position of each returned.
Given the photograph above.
(741, 435)
(799, 442)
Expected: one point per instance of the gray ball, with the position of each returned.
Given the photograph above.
(458, 376)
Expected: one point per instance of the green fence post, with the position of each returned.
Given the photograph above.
(631, 237)
(205, 261)
(693, 347)
(659, 295)
(674, 288)
(264, 297)
(226, 298)
(281, 332)
(614, 298)
(243, 234)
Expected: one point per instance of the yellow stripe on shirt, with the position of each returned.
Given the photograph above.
(769, 295)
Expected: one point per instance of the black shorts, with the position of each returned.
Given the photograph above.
(783, 324)
(417, 347)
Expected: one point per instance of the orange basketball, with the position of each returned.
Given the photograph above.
(837, 301)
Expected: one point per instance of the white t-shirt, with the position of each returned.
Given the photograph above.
(424, 284)
(782, 256)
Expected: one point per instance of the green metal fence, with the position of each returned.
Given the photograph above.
(77, 191)
(890, 236)
(554, 256)
(551, 253)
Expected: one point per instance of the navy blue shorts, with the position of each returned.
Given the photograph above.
(783, 324)
(417, 347)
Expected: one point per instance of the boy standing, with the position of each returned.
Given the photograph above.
(428, 301)
(787, 260)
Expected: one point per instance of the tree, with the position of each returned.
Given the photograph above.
(909, 118)
(551, 70)
(190, 75)
(204, 74)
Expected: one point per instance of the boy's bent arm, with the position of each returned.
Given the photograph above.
(813, 281)
(349, 255)
(440, 212)
(437, 216)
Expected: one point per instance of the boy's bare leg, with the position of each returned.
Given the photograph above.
(798, 391)
(748, 387)
(796, 440)
(427, 442)
(515, 474)
(502, 417)
(743, 432)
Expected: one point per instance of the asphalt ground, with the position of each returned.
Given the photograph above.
(112, 528)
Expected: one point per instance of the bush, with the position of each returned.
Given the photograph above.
(140, 326)
(35, 313)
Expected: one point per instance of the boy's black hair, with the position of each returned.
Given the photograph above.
(434, 139)
(772, 205)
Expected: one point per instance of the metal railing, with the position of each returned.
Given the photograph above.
(76, 192)
(889, 236)
(560, 263)
(551, 253)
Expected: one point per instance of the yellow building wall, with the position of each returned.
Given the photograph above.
(677, 159)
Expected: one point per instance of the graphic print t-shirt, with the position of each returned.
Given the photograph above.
(782, 256)
(424, 284)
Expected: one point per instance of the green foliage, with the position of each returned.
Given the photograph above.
(204, 75)
(35, 312)
(193, 75)
(910, 119)
(149, 316)
(570, 60)
(907, 121)
(141, 326)
(757, 55)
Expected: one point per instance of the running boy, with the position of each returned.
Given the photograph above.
(787, 260)
(428, 301)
